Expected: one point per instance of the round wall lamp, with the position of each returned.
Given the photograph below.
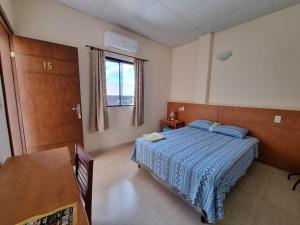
(222, 56)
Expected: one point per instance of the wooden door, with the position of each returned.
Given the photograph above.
(9, 89)
(49, 90)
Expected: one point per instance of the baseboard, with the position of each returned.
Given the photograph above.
(96, 152)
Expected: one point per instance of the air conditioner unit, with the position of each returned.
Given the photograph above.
(120, 42)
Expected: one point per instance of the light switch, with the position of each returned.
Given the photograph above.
(181, 109)
(277, 119)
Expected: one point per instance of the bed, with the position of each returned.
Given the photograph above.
(198, 165)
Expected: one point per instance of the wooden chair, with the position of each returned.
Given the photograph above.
(84, 173)
(298, 182)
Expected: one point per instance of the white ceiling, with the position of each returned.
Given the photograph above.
(176, 22)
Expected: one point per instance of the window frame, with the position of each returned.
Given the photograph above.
(119, 61)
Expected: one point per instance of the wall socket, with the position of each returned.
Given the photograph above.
(277, 119)
(181, 109)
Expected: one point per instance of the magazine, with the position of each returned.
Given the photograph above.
(66, 215)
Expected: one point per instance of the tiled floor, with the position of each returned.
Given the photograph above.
(126, 195)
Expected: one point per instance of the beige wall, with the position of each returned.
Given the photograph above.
(203, 68)
(7, 6)
(48, 20)
(184, 71)
(190, 70)
(264, 70)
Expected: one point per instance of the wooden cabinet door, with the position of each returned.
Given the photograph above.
(49, 90)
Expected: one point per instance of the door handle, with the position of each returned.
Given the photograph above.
(77, 109)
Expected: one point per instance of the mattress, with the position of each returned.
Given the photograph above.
(199, 165)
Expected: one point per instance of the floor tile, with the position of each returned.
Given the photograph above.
(289, 219)
(123, 194)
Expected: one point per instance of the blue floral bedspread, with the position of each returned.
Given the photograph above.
(200, 165)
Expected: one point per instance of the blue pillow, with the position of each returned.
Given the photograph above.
(232, 131)
(201, 124)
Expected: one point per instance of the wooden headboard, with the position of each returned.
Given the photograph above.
(279, 143)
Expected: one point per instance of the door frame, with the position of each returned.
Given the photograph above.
(4, 22)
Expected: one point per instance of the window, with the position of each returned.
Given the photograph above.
(119, 82)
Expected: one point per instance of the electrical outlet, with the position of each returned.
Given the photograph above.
(277, 119)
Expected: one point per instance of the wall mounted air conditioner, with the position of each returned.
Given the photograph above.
(120, 42)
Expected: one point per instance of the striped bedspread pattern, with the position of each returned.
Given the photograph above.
(198, 164)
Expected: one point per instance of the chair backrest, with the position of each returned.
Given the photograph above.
(84, 173)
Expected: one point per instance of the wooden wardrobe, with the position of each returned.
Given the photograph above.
(48, 94)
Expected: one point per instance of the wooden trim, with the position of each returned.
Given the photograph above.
(6, 113)
(17, 94)
(7, 27)
(279, 143)
(5, 22)
(36, 56)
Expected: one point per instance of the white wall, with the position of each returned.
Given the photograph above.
(263, 70)
(51, 21)
(4, 138)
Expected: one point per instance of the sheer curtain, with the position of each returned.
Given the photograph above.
(98, 104)
(138, 109)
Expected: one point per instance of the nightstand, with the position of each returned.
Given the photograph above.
(175, 124)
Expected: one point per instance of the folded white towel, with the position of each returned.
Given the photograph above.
(154, 137)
